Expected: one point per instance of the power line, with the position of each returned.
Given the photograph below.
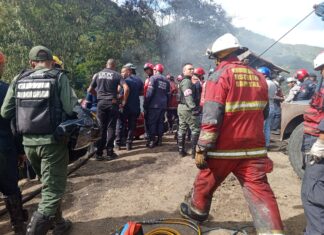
(286, 33)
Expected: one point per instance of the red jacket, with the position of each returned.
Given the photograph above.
(173, 103)
(233, 112)
(146, 85)
(314, 114)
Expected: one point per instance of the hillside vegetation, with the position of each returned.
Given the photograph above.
(85, 33)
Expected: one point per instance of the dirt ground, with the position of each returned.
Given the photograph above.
(148, 184)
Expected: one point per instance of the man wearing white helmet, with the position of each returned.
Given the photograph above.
(294, 89)
(313, 142)
(232, 140)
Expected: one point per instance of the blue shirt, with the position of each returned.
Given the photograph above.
(133, 101)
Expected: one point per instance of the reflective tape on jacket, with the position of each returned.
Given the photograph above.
(244, 106)
(239, 153)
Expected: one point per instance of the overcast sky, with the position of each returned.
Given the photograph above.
(273, 18)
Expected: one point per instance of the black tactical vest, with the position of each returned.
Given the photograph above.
(38, 106)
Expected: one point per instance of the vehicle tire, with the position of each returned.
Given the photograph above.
(294, 150)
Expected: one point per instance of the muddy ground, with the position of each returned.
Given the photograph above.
(145, 184)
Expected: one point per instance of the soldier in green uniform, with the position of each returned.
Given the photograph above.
(42, 99)
(188, 111)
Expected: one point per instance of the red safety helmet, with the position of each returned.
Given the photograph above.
(159, 68)
(199, 71)
(301, 74)
(148, 66)
(2, 58)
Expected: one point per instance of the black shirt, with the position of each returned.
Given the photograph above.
(106, 83)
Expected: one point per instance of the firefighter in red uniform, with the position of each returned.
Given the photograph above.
(148, 69)
(313, 181)
(232, 140)
(172, 114)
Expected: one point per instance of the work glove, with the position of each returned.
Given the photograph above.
(317, 149)
(200, 158)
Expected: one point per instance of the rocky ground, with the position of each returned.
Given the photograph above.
(145, 184)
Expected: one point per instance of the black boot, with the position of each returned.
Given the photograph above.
(181, 145)
(61, 226)
(187, 211)
(18, 216)
(111, 155)
(194, 140)
(158, 142)
(152, 142)
(128, 146)
(39, 224)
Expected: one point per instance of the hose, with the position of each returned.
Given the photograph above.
(167, 230)
(163, 231)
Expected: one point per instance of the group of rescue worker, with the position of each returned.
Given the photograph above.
(225, 114)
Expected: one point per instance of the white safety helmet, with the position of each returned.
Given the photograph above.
(223, 46)
(319, 61)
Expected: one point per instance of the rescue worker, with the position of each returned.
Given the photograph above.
(105, 85)
(230, 142)
(197, 80)
(188, 110)
(307, 88)
(278, 99)
(148, 70)
(37, 123)
(313, 142)
(272, 89)
(294, 89)
(172, 114)
(313, 78)
(9, 167)
(156, 103)
(58, 63)
(131, 109)
(136, 78)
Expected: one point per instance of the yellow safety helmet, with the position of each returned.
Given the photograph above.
(57, 61)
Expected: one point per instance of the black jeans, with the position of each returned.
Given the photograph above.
(312, 192)
(8, 167)
(126, 125)
(107, 114)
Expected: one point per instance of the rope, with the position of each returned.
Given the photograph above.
(286, 33)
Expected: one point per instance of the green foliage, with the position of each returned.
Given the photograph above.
(84, 34)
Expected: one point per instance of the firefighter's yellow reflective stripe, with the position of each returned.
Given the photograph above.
(33, 85)
(242, 70)
(208, 136)
(238, 153)
(33, 94)
(244, 106)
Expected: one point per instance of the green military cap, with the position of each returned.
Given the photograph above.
(40, 53)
